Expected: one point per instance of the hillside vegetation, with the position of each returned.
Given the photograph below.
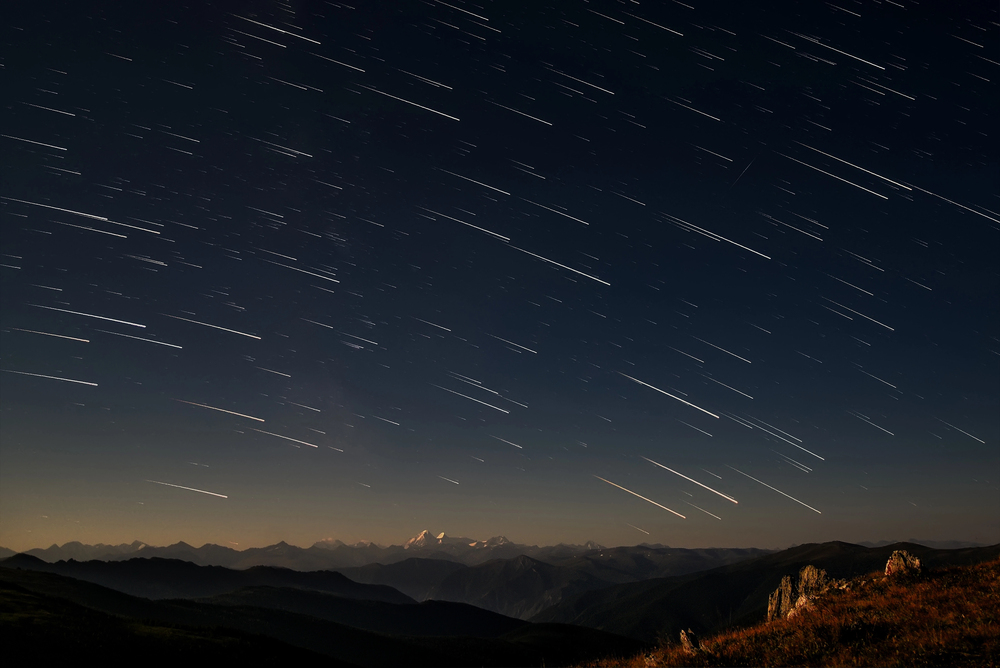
(949, 616)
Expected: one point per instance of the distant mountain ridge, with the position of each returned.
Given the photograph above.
(82, 552)
(331, 553)
(524, 585)
(936, 544)
(326, 554)
(427, 567)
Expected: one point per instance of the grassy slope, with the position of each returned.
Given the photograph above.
(949, 616)
(729, 596)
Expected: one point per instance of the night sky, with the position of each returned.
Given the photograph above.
(561, 271)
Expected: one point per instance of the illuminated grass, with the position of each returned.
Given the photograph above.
(945, 617)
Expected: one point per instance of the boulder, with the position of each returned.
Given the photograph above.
(902, 563)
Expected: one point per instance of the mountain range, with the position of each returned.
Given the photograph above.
(331, 553)
(55, 616)
(518, 586)
(574, 605)
(322, 555)
(524, 585)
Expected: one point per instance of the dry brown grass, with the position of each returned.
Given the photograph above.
(948, 617)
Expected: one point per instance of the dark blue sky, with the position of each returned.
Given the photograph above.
(478, 268)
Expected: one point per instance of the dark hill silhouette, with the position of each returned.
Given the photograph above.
(172, 578)
(527, 645)
(33, 622)
(519, 587)
(571, 572)
(430, 618)
(618, 565)
(414, 577)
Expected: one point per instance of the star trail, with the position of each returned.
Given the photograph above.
(469, 262)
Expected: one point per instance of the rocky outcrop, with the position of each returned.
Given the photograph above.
(812, 583)
(902, 563)
(780, 601)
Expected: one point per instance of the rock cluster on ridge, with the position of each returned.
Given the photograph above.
(813, 583)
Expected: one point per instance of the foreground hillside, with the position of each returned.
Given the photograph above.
(949, 616)
(730, 596)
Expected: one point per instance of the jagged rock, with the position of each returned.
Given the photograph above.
(902, 563)
(780, 601)
(689, 642)
(812, 581)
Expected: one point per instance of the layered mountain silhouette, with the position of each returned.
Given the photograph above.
(415, 577)
(64, 615)
(158, 578)
(564, 605)
(51, 629)
(525, 585)
(518, 587)
(430, 618)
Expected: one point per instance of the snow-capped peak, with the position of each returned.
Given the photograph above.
(427, 539)
(423, 539)
(496, 541)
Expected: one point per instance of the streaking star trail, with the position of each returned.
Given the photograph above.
(640, 496)
(190, 489)
(724, 496)
(393, 264)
